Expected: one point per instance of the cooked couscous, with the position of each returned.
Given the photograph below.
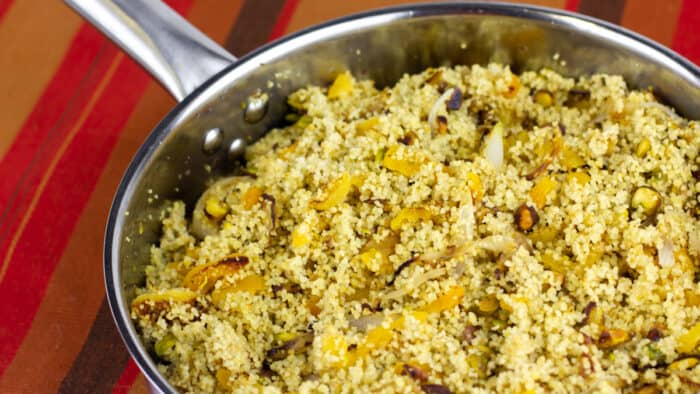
(466, 230)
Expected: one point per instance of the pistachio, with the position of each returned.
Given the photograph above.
(543, 97)
(643, 147)
(526, 218)
(655, 354)
(498, 325)
(165, 345)
(215, 209)
(647, 200)
(578, 98)
(478, 362)
(488, 305)
(415, 372)
(654, 334)
(209, 210)
(296, 103)
(408, 138)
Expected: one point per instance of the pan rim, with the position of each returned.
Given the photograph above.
(127, 185)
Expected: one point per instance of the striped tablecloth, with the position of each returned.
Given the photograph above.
(74, 109)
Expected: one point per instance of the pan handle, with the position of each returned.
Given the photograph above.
(177, 54)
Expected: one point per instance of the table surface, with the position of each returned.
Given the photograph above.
(74, 109)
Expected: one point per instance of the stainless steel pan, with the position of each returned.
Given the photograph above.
(226, 103)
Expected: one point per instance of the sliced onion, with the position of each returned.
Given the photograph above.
(366, 322)
(417, 281)
(493, 243)
(494, 146)
(440, 103)
(666, 258)
(497, 243)
(433, 255)
(397, 293)
(466, 215)
(522, 240)
(668, 111)
(202, 225)
(428, 275)
(458, 269)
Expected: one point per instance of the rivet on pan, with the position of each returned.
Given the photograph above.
(212, 140)
(256, 107)
(236, 149)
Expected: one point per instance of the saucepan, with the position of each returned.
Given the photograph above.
(225, 103)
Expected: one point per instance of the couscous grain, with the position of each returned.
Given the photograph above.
(466, 230)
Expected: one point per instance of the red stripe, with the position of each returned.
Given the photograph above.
(283, 19)
(127, 379)
(686, 40)
(59, 206)
(4, 6)
(572, 5)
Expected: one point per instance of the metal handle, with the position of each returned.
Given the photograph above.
(170, 48)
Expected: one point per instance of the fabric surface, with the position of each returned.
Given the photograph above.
(73, 111)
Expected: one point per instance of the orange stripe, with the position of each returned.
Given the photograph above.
(34, 34)
(56, 158)
(655, 19)
(79, 266)
(310, 12)
(215, 17)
